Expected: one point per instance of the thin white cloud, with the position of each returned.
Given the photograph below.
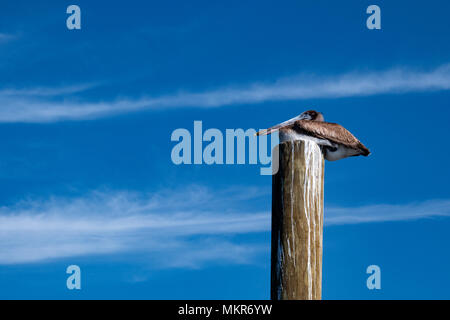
(36, 108)
(5, 37)
(160, 225)
(46, 92)
(387, 212)
(172, 228)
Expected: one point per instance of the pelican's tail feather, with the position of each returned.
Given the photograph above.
(364, 151)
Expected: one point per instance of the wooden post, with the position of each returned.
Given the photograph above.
(297, 222)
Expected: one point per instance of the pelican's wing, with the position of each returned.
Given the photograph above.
(330, 131)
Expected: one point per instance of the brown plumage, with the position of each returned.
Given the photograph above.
(330, 131)
(338, 142)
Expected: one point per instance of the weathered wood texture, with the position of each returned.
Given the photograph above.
(297, 222)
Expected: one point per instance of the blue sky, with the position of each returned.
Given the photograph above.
(86, 116)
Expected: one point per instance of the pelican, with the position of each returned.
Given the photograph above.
(336, 141)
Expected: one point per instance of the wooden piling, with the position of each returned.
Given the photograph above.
(297, 222)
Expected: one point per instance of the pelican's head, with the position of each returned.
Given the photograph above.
(311, 115)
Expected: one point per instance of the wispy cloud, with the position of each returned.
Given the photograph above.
(187, 227)
(387, 212)
(5, 37)
(46, 92)
(162, 225)
(39, 108)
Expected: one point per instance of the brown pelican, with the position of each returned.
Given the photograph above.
(336, 141)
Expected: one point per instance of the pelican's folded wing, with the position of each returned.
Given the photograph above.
(330, 131)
